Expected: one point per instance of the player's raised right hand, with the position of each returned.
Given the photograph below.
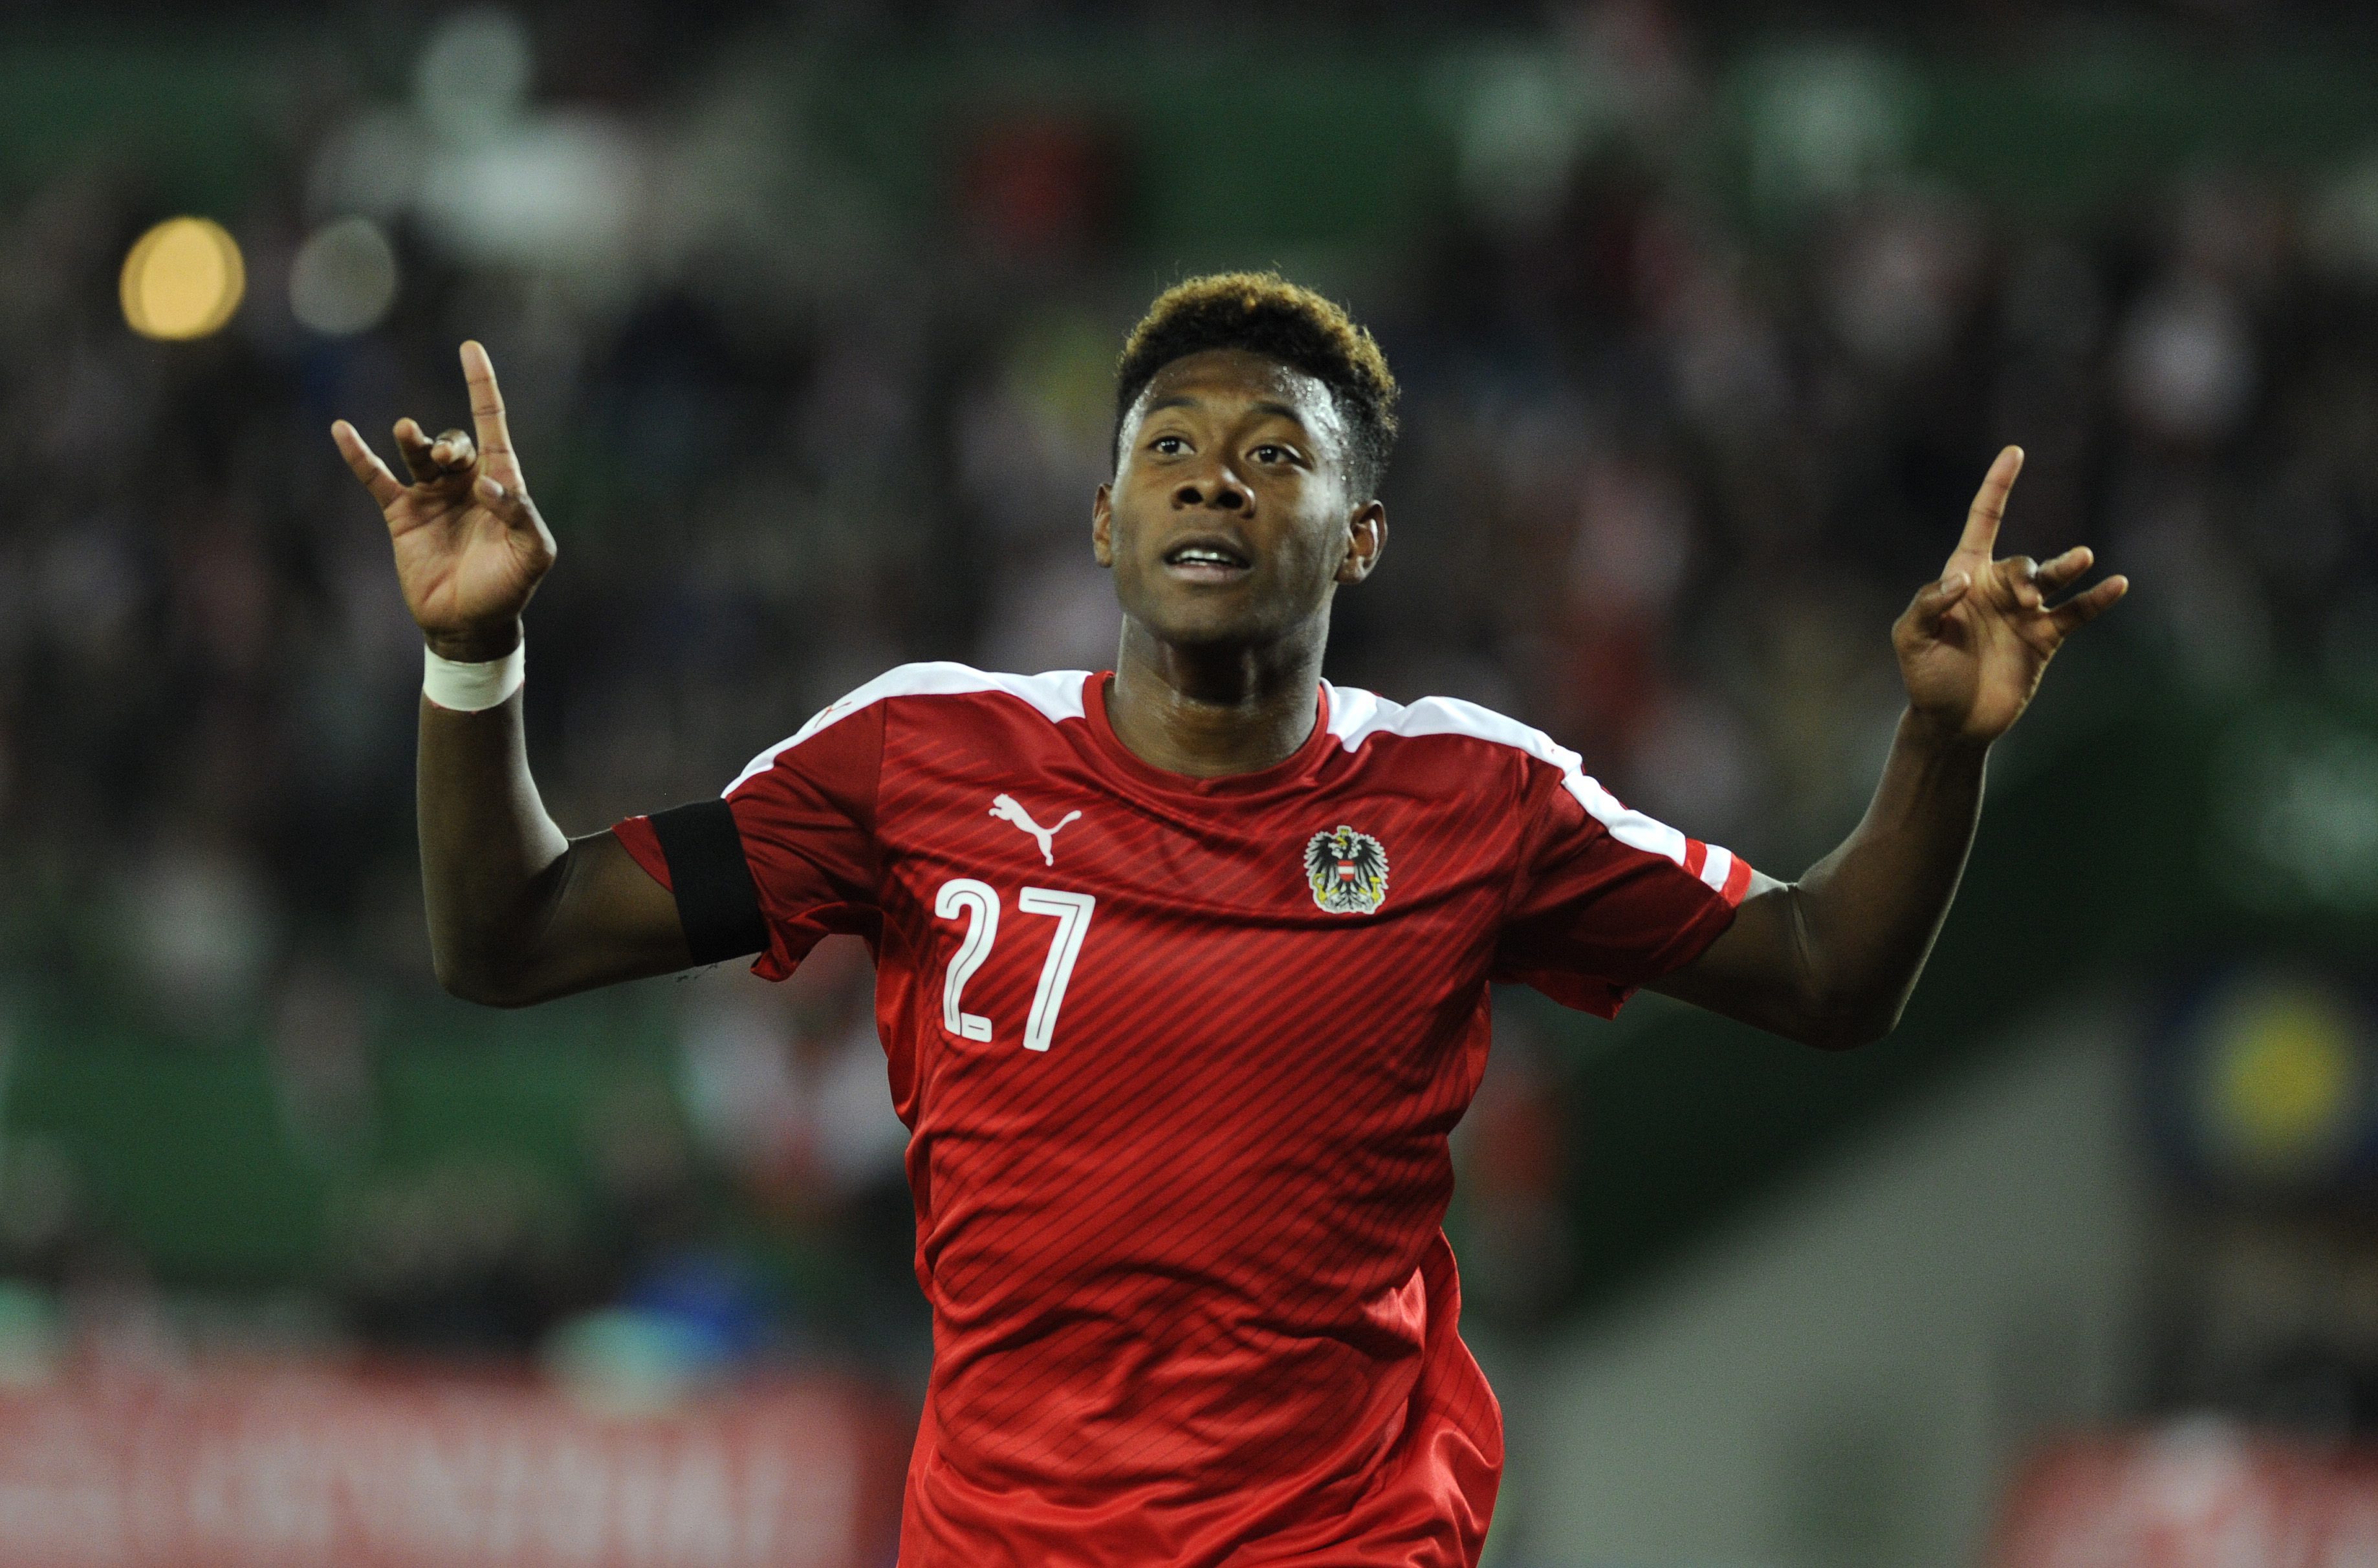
(470, 546)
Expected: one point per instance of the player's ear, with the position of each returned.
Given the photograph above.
(1102, 525)
(1366, 537)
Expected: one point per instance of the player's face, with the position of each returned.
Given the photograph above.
(1227, 520)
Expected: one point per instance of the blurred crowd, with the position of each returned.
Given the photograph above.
(1668, 475)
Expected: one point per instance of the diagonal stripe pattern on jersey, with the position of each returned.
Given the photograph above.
(1179, 1084)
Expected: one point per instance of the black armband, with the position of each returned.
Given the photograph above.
(717, 902)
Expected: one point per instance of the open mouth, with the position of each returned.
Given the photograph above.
(1205, 560)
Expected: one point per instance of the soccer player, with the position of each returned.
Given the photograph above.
(1182, 969)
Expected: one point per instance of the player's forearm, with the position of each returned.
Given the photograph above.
(492, 861)
(1868, 913)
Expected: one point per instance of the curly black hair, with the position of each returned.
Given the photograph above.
(1264, 313)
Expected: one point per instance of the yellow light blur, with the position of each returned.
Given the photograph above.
(2284, 1087)
(183, 279)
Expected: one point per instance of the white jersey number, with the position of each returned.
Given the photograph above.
(979, 903)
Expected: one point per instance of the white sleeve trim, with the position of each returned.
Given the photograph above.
(1356, 715)
(1057, 694)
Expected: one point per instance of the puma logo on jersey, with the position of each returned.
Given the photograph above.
(1004, 808)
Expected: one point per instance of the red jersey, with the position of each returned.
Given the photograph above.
(1179, 1057)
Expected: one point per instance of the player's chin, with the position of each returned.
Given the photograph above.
(1161, 597)
(1208, 619)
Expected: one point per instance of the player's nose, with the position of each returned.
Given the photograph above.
(1218, 489)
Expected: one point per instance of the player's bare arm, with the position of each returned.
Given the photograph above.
(1832, 958)
(518, 912)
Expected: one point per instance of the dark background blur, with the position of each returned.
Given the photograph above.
(1708, 320)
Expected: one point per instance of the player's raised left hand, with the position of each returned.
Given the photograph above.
(1973, 645)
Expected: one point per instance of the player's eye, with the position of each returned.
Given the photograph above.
(1273, 453)
(1170, 445)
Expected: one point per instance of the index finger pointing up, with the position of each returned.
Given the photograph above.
(487, 414)
(1990, 505)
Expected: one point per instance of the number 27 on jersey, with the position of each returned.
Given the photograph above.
(976, 903)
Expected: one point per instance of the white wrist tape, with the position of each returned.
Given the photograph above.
(469, 689)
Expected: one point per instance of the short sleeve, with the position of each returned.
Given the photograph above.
(802, 848)
(1608, 900)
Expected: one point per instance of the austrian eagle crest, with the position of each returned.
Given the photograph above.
(1347, 870)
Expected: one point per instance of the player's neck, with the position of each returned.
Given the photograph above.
(1209, 712)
